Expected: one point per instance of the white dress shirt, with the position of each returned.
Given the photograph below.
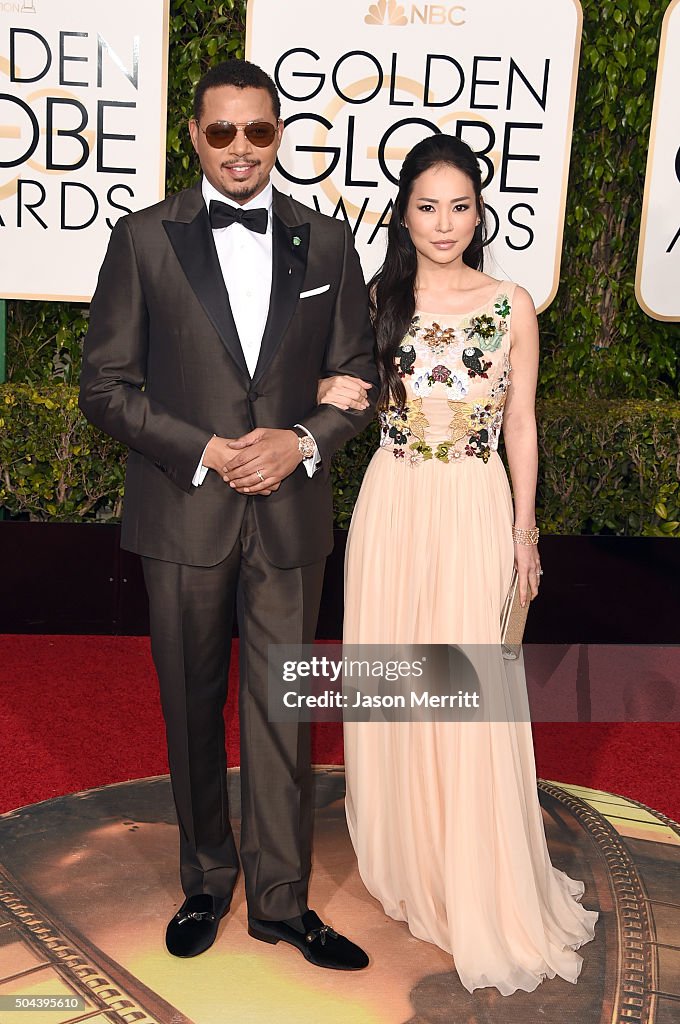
(245, 259)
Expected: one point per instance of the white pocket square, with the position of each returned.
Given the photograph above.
(315, 291)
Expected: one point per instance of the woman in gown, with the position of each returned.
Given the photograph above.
(444, 815)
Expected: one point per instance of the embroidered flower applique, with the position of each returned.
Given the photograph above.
(439, 338)
(481, 414)
(502, 307)
(487, 331)
(483, 326)
(440, 374)
(435, 337)
(398, 424)
(420, 452)
(394, 424)
(502, 383)
(435, 334)
(479, 445)
(476, 427)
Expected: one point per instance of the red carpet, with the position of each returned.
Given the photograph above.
(80, 712)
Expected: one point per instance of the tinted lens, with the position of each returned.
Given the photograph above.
(260, 133)
(220, 135)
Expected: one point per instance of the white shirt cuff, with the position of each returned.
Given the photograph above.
(314, 461)
(201, 470)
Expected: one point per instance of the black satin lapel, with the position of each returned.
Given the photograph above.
(289, 263)
(195, 249)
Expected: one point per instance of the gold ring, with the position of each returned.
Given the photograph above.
(259, 473)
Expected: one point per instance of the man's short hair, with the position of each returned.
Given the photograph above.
(240, 73)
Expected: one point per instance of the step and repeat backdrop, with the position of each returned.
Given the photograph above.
(83, 92)
(363, 84)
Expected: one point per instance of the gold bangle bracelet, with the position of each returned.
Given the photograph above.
(525, 536)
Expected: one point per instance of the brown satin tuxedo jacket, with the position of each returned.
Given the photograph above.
(163, 371)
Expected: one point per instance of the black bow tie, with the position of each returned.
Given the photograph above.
(222, 215)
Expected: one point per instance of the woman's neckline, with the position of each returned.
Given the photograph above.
(468, 312)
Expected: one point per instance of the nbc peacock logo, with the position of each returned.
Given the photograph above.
(386, 12)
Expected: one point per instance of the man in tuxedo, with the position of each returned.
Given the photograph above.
(215, 315)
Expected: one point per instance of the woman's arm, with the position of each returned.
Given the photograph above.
(519, 433)
(343, 392)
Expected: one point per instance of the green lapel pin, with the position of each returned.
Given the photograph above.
(297, 240)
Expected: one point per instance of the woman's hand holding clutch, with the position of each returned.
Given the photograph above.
(527, 562)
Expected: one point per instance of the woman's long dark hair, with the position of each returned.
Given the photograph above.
(392, 289)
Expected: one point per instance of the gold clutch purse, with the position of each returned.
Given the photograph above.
(513, 620)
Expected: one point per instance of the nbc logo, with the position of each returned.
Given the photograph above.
(389, 12)
(386, 12)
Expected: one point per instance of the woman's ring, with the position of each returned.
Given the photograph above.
(259, 473)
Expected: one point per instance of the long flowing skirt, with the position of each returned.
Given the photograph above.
(444, 815)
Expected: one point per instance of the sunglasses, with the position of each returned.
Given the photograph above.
(222, 133)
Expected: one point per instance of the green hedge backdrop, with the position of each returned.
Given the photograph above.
(609, 417)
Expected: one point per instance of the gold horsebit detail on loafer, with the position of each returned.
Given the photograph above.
(196, 915)
(320, 933)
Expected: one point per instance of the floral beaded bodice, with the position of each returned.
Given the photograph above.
(456, 371)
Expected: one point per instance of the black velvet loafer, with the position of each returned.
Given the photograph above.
(318, 943)
(194, 927)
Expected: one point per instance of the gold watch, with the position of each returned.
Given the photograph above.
(306, 444)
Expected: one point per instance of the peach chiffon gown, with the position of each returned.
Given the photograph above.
(444, 816)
